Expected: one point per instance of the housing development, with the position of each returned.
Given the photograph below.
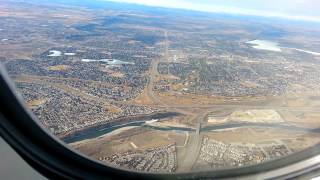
(165, 90)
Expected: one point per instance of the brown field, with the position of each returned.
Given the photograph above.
(164, 76)
(261, 135)
(59, 68)
(113, 109)
(67, 15)
(36, 102)
(196, 99)
(188, 99)
(13, 51)
(112, 73)
(250, 84)
(129, 140)
(302, 118)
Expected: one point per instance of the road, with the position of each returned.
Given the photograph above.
(192, 149)
(193, 145)
(154, 74)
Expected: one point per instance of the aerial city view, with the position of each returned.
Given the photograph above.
(165, 90)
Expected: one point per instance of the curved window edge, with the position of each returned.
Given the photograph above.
(52, 158)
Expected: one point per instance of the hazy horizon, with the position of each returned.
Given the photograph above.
(305, 10)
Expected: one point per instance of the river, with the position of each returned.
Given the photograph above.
(99, 130)
(94, 133)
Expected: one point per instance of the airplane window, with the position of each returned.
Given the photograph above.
(169, 87)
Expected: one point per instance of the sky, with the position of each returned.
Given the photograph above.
(308, 10)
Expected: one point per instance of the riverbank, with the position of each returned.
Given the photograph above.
(101, 129)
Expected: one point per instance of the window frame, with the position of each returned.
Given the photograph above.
(54, 159)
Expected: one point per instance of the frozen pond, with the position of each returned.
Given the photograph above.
(54, 53)
(306, 51)
(274, 46)
(265, 45)
(108, 61)
(69, 54)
